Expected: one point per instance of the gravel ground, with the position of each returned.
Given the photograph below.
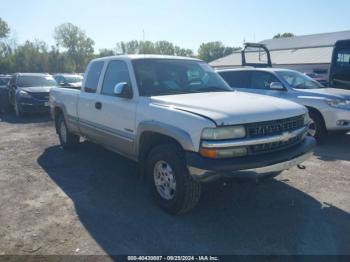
(92, 202)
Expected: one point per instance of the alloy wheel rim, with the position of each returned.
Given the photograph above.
(312, 128)
(164, 180)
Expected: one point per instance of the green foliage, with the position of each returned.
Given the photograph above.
(106, 52)
(4, 29)
(32, 57)
(79, 47)
(213, 50)
(74, 49)
(284, 35)
(148, 47)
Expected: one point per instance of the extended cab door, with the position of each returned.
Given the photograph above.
(88, 112)
(115, 116)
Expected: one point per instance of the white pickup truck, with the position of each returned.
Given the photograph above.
(182, 123)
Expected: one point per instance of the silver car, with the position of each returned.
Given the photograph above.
(329, 108)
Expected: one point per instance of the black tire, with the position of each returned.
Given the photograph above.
(67, 139)
(17, 109)
(187, 191)
(321, 131)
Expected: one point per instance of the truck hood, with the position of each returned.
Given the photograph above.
(37, 89)
(326, 93)
(231, 108)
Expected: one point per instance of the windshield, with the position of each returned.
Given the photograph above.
(4, 81)
(36, 80)
(298, 80)
(172, 76)
(73, 79)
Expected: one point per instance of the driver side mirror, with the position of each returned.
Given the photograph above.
(277, 86)
(123, 90)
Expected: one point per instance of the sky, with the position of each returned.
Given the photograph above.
(185, 23)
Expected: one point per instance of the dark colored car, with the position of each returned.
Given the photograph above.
(4, 103)
(339, 76)
(29, 92)
(69, 80)
(318, 77)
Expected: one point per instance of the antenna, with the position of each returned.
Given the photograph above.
(143, 39)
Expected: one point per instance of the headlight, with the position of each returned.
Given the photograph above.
(221, 133)
(24, 94)
(339, 103)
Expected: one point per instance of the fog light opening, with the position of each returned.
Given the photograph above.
(343, 122)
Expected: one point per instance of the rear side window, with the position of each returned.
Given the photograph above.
(117, 72)
(262, 80)
(238, 79)
(93, 76)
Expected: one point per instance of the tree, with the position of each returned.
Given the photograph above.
(213, 50)
(131, 47)
(32, 57)
(164, 48)
(159, 47)
(106, 52)
(178, 51)
(79, 47)
(4, 29)
(60, 62)
(284, 35)
(147, 47)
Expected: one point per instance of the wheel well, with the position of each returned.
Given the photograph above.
(148, 141)
(315, 111)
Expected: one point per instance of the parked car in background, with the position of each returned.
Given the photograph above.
(4, 79)
(318, 77)
(4, 103)
(339, 76)
(69, 80)
(29, 92)
(329, 108)
(182, 123)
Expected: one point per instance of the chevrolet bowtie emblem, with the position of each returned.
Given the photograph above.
(286, 136)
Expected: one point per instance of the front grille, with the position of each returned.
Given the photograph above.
(272, 147)
(40, 96)
(275, 127)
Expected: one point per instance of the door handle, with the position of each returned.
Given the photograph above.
(98, 105)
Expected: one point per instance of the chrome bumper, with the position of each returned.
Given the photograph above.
(207, 175)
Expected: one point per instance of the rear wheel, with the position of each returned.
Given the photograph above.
(173, 188)
(67, 139)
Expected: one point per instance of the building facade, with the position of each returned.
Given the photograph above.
(307, 54)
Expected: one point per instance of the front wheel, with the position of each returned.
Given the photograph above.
(67, 139)
(317, 128)
(173, 188)
(18, 110)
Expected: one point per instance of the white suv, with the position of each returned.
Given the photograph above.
(329, 108)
